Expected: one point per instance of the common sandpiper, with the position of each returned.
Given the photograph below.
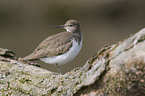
(60, 48)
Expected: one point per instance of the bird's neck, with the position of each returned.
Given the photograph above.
(79, 35)
(77, 31)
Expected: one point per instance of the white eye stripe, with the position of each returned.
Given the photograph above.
(70, 25)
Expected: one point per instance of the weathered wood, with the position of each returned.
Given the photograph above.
(116, 70)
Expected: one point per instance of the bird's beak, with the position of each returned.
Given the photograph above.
(59, 26)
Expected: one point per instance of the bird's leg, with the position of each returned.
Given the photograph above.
(58, 69)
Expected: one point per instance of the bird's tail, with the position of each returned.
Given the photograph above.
(28, 58)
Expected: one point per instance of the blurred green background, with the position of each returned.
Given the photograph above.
(25, 23)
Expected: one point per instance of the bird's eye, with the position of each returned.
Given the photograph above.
(70, 25)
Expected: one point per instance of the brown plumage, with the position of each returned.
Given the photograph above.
(60, 48)
(57, 44)
(50, 47)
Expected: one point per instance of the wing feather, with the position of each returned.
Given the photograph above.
(50, 47)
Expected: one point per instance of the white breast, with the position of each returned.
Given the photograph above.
(66, 57)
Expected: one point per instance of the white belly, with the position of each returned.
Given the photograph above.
(66, 57)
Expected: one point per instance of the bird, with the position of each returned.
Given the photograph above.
(60, 48)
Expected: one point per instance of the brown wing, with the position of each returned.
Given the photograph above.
(50, 47)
